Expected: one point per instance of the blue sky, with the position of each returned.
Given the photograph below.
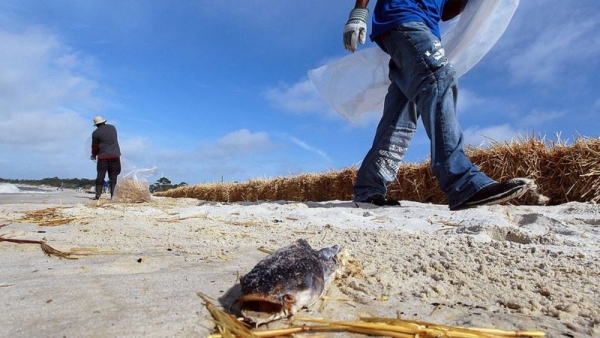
(218, 90)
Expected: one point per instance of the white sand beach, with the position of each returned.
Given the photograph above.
(139, 266)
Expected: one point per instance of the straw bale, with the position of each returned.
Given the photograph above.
(563, 172)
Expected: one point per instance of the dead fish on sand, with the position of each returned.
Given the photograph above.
(289, 279)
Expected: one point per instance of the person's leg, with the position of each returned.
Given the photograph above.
(394, 133)
(101, 168)
(429, 80)
(113, 172)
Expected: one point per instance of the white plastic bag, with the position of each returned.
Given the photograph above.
(357, 83)
(479, 27)
(337, 82)
(134, 187)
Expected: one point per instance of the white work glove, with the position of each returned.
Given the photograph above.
(356, 29)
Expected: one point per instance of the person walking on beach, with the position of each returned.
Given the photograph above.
(106, 150)
(423, 86)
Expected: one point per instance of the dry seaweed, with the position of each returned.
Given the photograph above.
(48, 250)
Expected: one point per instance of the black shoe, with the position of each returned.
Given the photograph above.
(496, 193)
(380, 201)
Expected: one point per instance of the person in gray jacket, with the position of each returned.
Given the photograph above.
(106, 150)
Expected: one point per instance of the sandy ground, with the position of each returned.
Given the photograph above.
(140, 265)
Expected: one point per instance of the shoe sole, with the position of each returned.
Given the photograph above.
(507, 196)
(516, 192)
(380, 203)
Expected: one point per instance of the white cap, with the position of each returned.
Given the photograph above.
(98, 120)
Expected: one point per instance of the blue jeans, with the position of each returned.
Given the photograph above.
(423, 85)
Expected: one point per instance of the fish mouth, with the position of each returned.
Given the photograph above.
(261, 308)
(260, 303)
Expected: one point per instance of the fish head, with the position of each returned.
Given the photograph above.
(331, 260)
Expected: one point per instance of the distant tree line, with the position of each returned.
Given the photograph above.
(164, 184)
(65, 183)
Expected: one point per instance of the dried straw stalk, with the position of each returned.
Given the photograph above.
(414, 328)
(228, 326)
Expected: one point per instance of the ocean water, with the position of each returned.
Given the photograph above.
(9, 188)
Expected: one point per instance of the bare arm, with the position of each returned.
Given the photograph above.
(361, 3)
(452, 8)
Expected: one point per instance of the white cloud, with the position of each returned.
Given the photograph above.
(484, 136)
(137, 152)
(539, 117)
(47, 101)
(238, 144)
(232, 155)
(38, 70)
(135, 145)
(41, 84)
(300, 98)
(243, 142)
(368, 120)
(42, 132)
(468, 99)
(238, 155)
(310, 148)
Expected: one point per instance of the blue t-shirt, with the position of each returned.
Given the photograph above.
(391, 13)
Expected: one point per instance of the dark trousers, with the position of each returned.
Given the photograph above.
(112, 166)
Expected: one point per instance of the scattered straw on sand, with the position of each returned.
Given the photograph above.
(48, 217)
(229, 326)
